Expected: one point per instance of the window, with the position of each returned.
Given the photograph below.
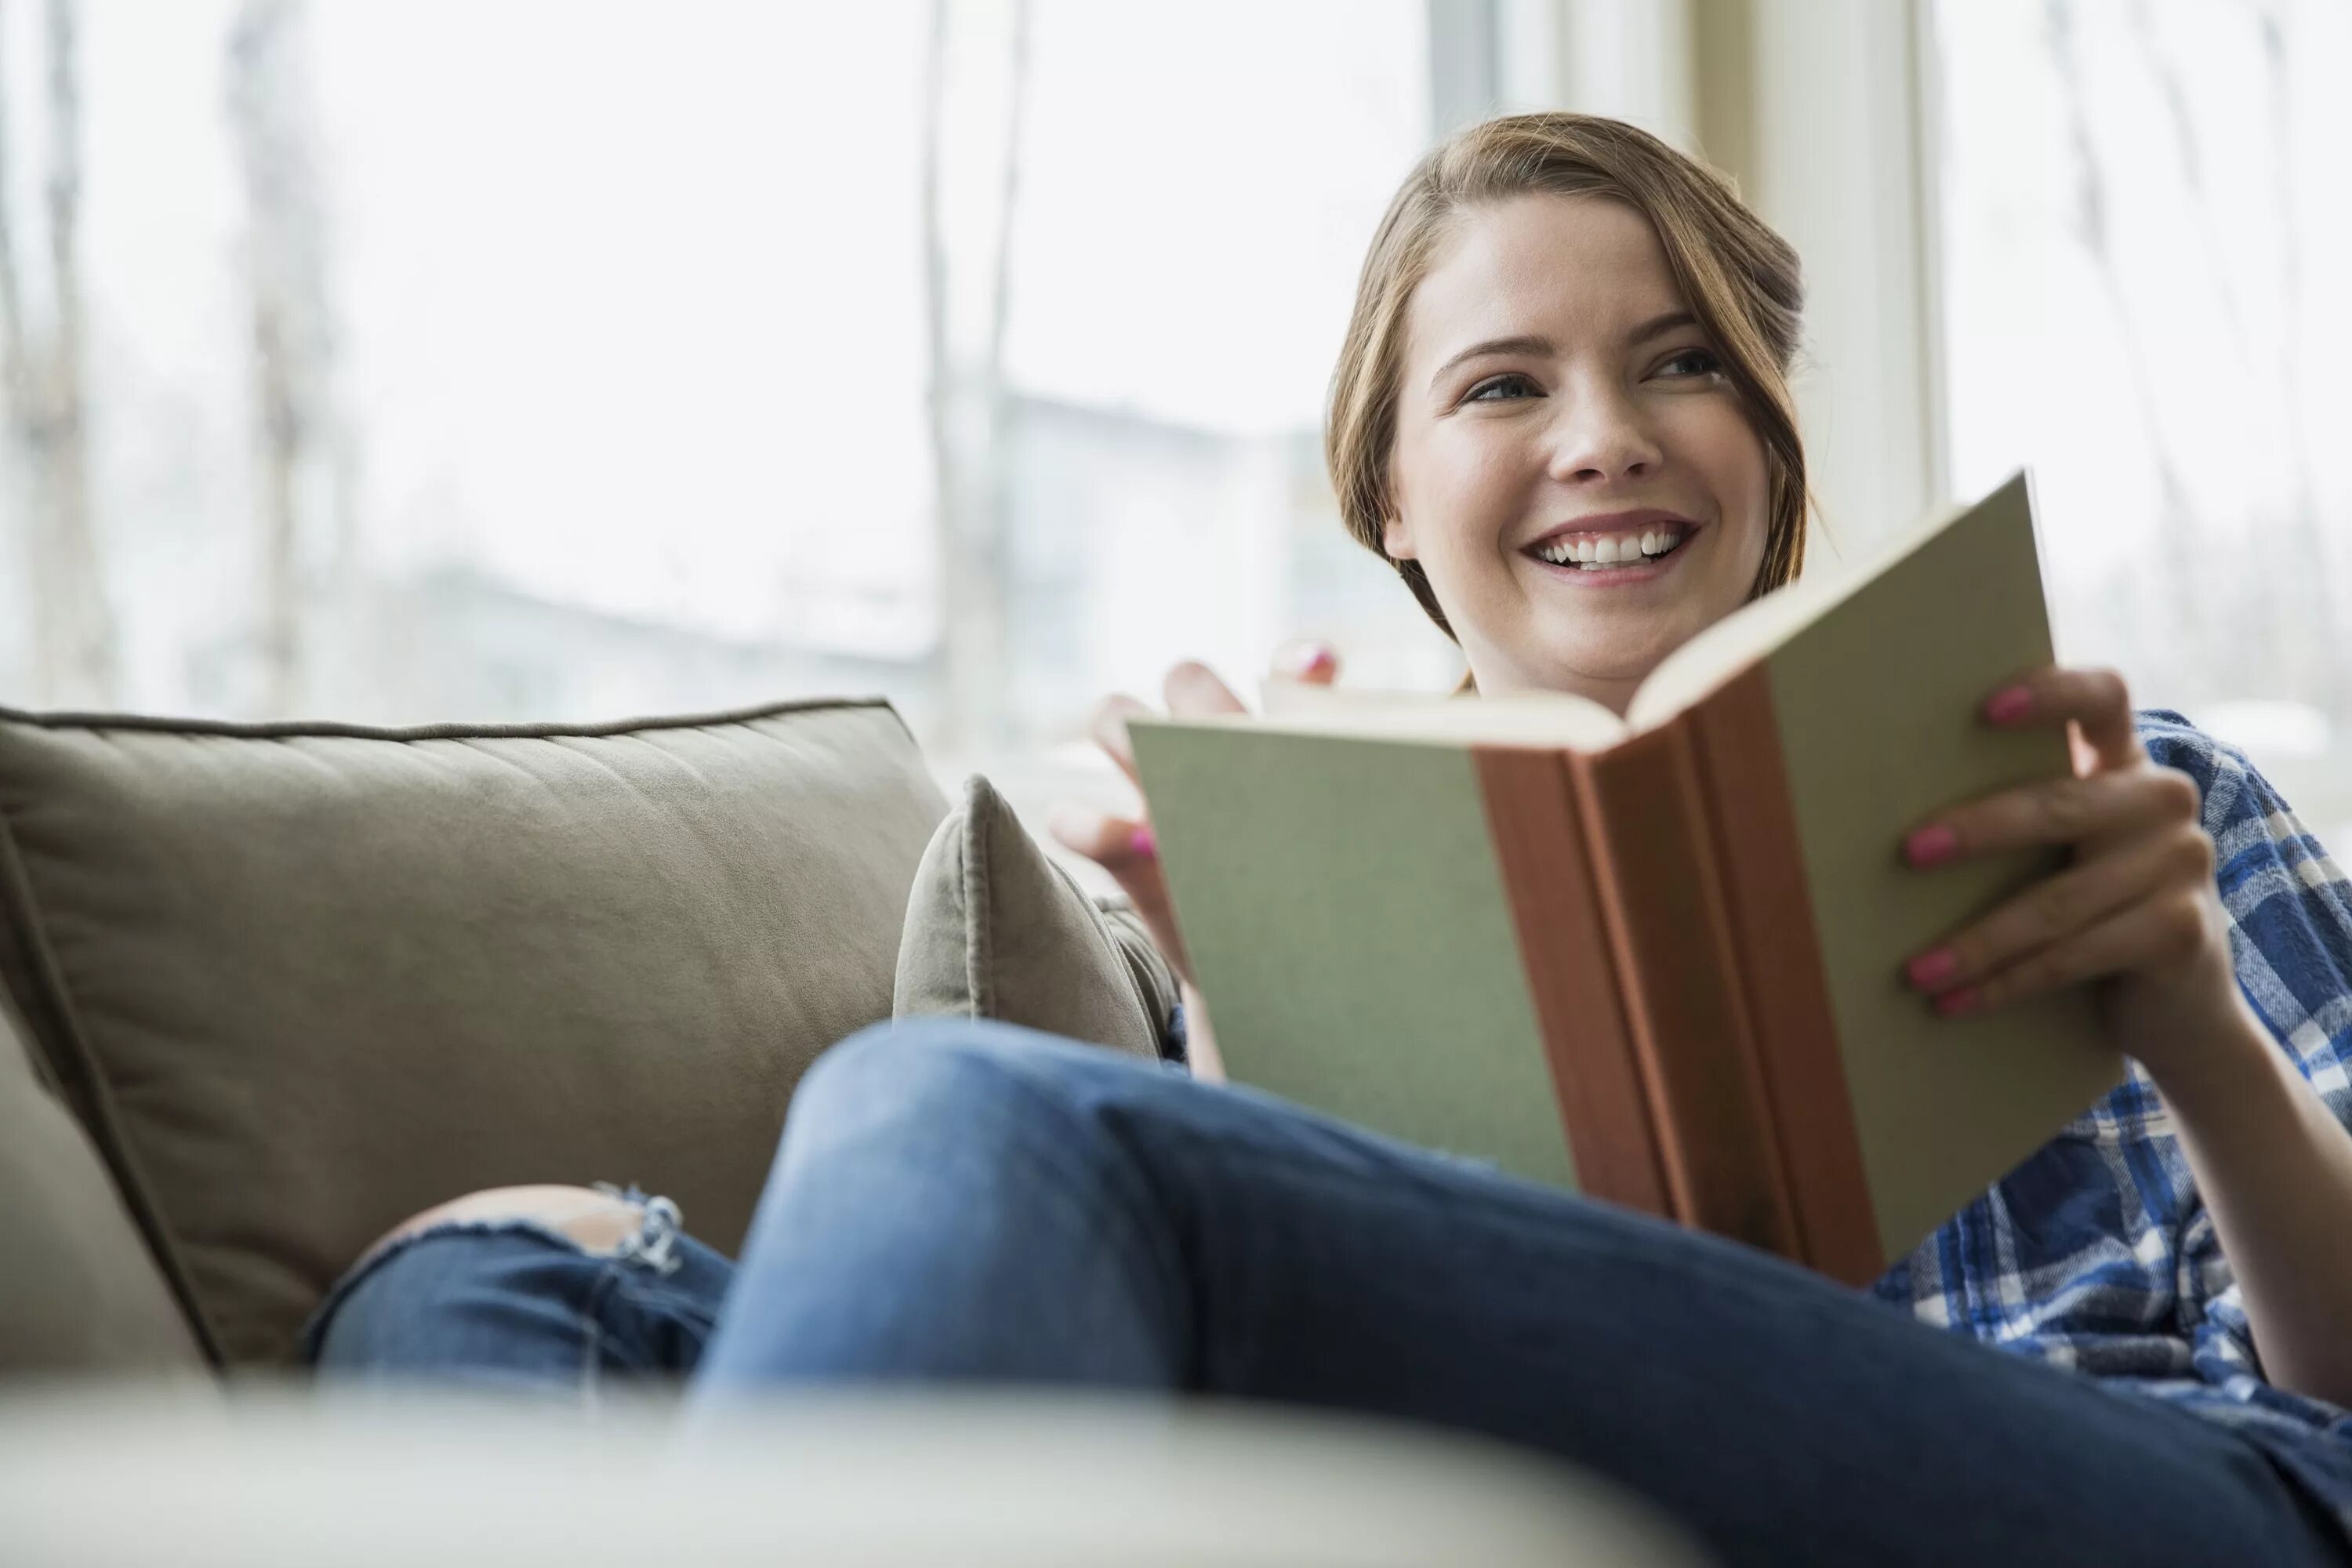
(533, 359)
(2140, 220)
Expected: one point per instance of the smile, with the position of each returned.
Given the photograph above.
(1598, 558)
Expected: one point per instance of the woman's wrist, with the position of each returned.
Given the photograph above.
(2235, 1060)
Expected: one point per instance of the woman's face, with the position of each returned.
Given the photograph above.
(1558, 400)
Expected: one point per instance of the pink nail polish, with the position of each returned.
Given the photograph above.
(1142, 843)
(1932, 969)
(2009, 705)
(1931, 846)
(1305, 662)
(1952, 1003)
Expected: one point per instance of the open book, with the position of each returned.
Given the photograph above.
(1656, 958)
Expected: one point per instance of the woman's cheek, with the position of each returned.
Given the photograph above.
(1461, 504)
(1731, 455)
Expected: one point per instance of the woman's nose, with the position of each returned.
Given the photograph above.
(1601, 436)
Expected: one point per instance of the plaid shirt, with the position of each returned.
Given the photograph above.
(2097, 1253)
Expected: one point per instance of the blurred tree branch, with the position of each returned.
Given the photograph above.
(964, 339)
(75, 659)
(297, 440)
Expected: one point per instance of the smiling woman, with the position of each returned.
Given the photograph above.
(1481, 415)
(1508, 450)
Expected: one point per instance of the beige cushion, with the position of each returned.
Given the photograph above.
(302, 981)
(996, 929)
(82, 1294)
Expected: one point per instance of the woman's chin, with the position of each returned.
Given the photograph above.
(1586, 664)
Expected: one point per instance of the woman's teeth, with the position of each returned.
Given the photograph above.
(1613, 550)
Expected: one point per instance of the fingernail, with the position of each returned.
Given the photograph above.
(1932, 969)
(1952, 1004)
(1931, 845)
(1306, 660)
(1142, 843)
(2008, 705)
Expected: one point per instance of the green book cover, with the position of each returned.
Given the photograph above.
(1348, 924)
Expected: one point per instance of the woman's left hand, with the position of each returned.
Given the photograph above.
(2136, 911)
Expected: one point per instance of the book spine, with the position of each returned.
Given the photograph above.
(1735, 740)
(1653, 849)
(1539, 842)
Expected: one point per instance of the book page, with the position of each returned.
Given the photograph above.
(1521, 718)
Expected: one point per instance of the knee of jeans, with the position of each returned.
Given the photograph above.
(904, 1050)
(942, 1070)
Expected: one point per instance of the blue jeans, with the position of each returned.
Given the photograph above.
(513, 1305)
(972, 1202)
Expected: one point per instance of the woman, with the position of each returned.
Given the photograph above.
(1567, 333)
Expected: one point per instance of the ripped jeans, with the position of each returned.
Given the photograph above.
(514, 1304)
(964, 1203)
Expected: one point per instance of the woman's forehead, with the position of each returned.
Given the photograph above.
(1573, 268)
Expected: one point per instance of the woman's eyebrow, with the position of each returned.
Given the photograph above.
(1522, 344)
(1658, 326)
(1526, 343)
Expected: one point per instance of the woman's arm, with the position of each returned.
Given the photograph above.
(2137, 912)
(2275, 1169)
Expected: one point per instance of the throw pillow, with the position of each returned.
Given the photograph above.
(995, 929)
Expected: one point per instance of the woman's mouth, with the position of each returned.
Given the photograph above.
(1604, 558)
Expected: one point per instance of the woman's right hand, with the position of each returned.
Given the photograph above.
(1123, 845)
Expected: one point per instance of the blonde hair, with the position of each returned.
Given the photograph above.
(1740, 279)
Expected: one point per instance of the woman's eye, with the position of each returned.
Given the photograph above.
(1495, 388)
(1693, 361)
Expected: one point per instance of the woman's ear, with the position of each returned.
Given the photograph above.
(1396, 539)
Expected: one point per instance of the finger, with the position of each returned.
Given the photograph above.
(1123, 845)
(2104, 807)
(2094, 701)
(2059, 908)
(1125, 848)
(2154, 933)
(1193, 689)
(1108, 725)
(1308, 662)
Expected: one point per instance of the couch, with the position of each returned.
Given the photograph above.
(265, 990)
